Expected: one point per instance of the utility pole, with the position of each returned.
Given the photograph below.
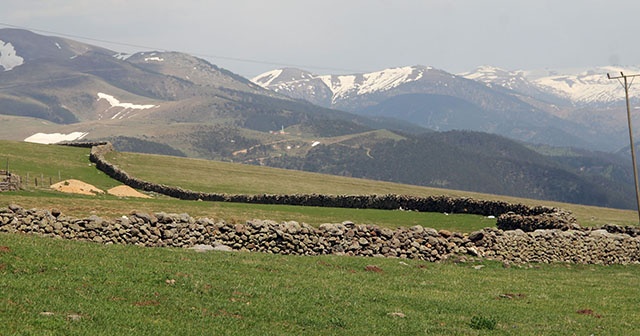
(626, 86)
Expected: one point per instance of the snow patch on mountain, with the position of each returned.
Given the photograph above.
(122, 56)
(579, 86)
(341, 86)
(491, 76)
(384, 80)
(267, 78)
(8, 57)
(589, 86)
(52, 138)
(126, 107)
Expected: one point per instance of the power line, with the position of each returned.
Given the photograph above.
(143, 47)
(626, 85)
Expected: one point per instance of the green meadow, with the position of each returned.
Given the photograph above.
(56, 287)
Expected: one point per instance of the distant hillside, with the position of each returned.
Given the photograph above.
(434, 99)
(164, 97)
(55, 89)
(472, 161)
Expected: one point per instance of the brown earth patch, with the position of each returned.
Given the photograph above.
(76, 187)
(588, 312)
(373, 268)
(126, 191)
(511, 296)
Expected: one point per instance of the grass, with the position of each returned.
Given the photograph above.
(49, 288)
(223, 177)
(51, 163)
(58, 163)
(154, 291)
(233, 178)
(110, 206)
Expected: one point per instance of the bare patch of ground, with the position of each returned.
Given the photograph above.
(126, 191)
(76, 187)
(83, 188)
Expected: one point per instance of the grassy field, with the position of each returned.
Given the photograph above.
(222, 177)
(56, 287)
(54, 163)
(49, 288)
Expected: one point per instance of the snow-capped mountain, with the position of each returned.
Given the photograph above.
(493, 76)
(297, 84)
(356, 92)
(338, 90)
(515, 81)
(80, 90)
(579, 86)
(589, 86)
(55, 89)
(430, 98)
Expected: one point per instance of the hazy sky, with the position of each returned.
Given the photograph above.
(338, 36)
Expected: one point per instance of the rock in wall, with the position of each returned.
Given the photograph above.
(589, 246)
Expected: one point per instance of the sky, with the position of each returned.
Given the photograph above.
(249, 37)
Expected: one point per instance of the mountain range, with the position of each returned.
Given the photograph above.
(399, 124)
(579, 108)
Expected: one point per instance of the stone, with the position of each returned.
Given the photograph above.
(74, 317)
(609, 244)
(445, 233)
(55, 212)
(144, 216)
(14, 207)
(473, 251)
(475, 236)
(397, 314)
(417, 229)
(203, 248)
(221, 247)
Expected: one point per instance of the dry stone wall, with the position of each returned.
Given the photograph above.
(523, 233)
(591, 246)
(383, 202)
(9, 182)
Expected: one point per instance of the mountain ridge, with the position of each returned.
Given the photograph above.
(501, 111)
(178, 104)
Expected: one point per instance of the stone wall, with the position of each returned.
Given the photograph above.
(590, 246)
(9, 182)
(523, 233)
(558, 219)
(385, 202)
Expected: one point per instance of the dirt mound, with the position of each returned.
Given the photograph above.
(126, 191)
(76, 187)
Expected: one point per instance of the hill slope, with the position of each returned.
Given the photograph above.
(173, 103)
(476, 162)
(169, 98)
(387, 92)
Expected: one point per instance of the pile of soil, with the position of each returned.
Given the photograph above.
(126, 191)
(76, 187)
(79, 187)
